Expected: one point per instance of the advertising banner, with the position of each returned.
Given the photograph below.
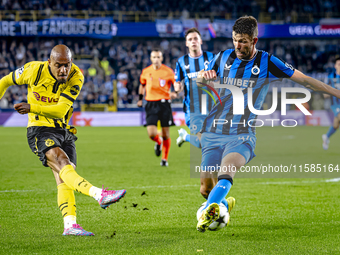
(102, 28)
(115, 119)
(105, 28)
(169, 28)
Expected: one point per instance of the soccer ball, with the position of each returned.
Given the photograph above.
(221, 222)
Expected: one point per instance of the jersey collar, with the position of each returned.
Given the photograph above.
(195, 57)
(49, 69)
(251, 58)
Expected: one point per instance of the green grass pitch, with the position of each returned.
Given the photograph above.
(272, 216)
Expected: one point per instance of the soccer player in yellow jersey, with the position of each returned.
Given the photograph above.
(52, 87)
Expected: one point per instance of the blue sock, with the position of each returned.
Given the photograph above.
(331, 131)
(193, 139)
(219, 192)
(225, 202)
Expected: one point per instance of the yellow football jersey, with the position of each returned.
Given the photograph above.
(50, 102)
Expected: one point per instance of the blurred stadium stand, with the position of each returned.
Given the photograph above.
(149, 10)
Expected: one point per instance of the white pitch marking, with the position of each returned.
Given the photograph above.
(187, 185)
(17, 191)
(333, 180)
(295, 182)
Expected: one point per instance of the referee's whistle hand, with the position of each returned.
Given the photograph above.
(140, 103)
(22, 108)
(173, 95)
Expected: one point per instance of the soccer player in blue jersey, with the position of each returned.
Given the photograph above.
(187, 68)
(333, 80)
(230, 143)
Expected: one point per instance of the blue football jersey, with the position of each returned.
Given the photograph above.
(187, 69)
(333, 80)
(255, 73)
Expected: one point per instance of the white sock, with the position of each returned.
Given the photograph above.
(96, 193)
(69, 221)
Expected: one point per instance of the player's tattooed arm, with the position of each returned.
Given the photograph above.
(204, 77)
(314, 84)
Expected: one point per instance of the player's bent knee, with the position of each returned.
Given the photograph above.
(206, 187)
(152, 137)
(226, 177)
(166, 137)
(57, 157)
(205, 191)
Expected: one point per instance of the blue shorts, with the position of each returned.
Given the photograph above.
(216, 146)
(336, 109)
(194, 122)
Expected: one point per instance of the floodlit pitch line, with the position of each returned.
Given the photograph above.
(14, 191)
(187, 185)
(333, 180)
(296, 182)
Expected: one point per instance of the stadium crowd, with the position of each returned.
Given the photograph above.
(289, 10)
(286, 10)
(117, 64)
(237, 7)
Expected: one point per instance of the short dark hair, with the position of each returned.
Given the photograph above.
(157, 50)
(246, 25)
(338, 58)
(192, 30)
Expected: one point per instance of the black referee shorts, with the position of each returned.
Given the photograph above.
(159, 110)
(42, 139)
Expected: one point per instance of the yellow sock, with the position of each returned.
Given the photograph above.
(74, 181)
(66, 200)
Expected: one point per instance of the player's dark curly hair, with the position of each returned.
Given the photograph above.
(246, 25)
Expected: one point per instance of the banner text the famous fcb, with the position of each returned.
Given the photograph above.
(96, 27)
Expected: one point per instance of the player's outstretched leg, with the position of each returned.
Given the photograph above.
(331, 131)
(182, 134)
(56, 158)
(185, 137)
(325, 142)
(76, 230)
(104, 197)
(108, 197)
(211, 213)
